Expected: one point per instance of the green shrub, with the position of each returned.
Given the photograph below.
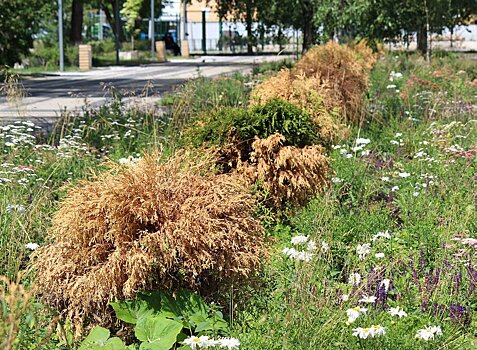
(243, 125)
(48, 56)
(101, 47)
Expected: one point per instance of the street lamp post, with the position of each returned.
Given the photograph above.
(60, 34)
(117, 20)
(153, 22)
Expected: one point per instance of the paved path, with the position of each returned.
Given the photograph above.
(49, 96)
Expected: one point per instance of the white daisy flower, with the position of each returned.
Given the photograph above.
(377, 330)
(380, 234)
(299, 240)
(324, 246)
(368, 299)
(385, 283)
(362, 333)
(354, 279)
(362, 250)
(229, 343)
(396, 311)
(355, 312)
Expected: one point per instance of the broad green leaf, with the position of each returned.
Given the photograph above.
(203, 326)
(98, 336)
(197, 319)
(157, 333)
(115, 344)
(144, 305)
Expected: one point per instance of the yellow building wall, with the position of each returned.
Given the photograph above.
(194, 11)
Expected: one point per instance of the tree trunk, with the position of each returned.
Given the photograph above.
(76, 21)
(249, 22)
(422, 39)
(110, 19)
(308, 34)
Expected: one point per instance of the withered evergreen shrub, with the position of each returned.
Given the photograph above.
(344, 69)
(329, 81)
(287, 173)
(148, 226)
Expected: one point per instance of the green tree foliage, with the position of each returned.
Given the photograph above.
(240, 10)
(391, 20)
(296, 14)
(131, 10)
(19, 21)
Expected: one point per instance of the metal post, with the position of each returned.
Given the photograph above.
(117, 19)
(100, 29)
(153, 22)
(221, 35)
(183, 20)
(204, 42)
(60, 34)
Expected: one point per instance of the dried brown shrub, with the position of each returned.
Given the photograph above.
(148, 226)
(311, 94)
(344, 69)
(289, 174)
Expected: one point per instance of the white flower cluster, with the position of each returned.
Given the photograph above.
(15, 208)
(206, 342)
(362, 250)
(130, 161)
(359, 146)
(32, 246)
(374, 331)
(428, 333)
(396, 311)
(395, 76)
(307, 247)
(71, 145)
(19, 134)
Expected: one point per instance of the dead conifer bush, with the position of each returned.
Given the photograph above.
(344, 69)
(152, 225)
(287, 173)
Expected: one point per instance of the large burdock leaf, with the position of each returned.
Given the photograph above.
(143, 306)
(157, 332)
(99, 339)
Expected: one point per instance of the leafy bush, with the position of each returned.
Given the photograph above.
(272, 66)
(103, 46)
(143, 227)
(307, 94)
(160, 321)
(48, 56)
(241, 126)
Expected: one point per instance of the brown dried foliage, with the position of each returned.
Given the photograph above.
(149, 226)
(14, 301)
(344, 69)
(328, 81)
(289, 174)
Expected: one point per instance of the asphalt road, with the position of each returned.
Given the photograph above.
(47, 97)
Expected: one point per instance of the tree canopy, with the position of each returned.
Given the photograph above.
(19, 22)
